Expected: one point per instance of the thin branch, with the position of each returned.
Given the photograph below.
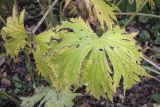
(134, 15)
(51, 14)
(114, 2)
(10, 97)
(119, 2)
(15, 2)
(139, 14)
(152, 63)
(156, 79)
(61, 10)
(152, 70)
(43, 18)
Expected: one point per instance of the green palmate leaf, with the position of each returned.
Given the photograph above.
(84, 58)
(49, 98)
(14, 33)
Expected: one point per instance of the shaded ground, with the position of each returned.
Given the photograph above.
(138, 96)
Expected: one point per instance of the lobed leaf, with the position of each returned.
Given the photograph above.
(14, 33)
(84, 58)
(105, 13)
(49, 98)
(42, 44)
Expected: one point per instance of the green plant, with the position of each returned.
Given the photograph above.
(14, 36)
(72, 54)
(144, 36)
(48, 96)
(156, 98)
(143, 19)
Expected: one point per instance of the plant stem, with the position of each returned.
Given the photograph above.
(51, 13)
(15, 2)
(43, 18)
(49, 2)
(118, 3)
(2, 20)
(139, 14)
(134, 15)
(10, 97)
(114, 2)
(61, 10)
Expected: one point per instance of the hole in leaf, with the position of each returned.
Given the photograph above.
(124, 33)
(66, 29)
(109, 62)
(85, 60)
(80, 38)
(101, 50)
(111, 47)
(77, 46)
(126, 39)
(9, 37)
(58, 40)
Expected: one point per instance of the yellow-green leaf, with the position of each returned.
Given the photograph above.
(42, 45)
(48, 97)
(84, 58)
(105, 13)
(14, 33)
